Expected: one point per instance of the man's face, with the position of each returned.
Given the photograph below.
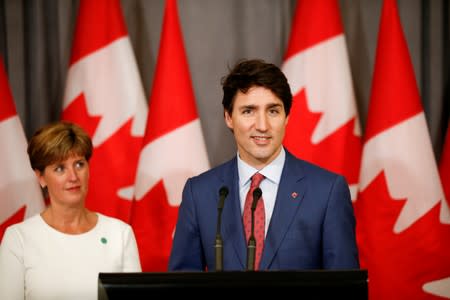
(258, 122)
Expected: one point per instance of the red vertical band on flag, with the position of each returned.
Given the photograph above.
(392, 65)
(314, 22)
(89, 36)
(172, 95)
(6, 99)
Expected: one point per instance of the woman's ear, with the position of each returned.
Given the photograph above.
(40, 178)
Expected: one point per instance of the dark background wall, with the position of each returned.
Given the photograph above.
(36, 38)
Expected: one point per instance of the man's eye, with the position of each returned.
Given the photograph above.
(59, 169)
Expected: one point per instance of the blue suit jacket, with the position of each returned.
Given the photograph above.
(313, 230)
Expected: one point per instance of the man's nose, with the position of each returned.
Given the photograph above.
(261, 122)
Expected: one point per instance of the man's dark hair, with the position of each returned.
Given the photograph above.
(255, 72)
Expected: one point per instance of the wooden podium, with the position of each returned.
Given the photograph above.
(313, 284)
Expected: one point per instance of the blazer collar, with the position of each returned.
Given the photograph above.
(290, 194)
(291, 191)
(233, 229)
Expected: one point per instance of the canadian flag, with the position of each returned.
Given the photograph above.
(104, 95)
(20, 193)
(173, 151)
(403, 219)
(323, 124)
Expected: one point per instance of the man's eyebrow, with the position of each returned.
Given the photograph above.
(272, 105)
(247, 106)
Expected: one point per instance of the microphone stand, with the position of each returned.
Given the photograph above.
(251, 247)
(218, 246)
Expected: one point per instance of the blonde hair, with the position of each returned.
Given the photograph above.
(57, 141)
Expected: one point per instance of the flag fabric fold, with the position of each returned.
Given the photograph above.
(441, 287)
(402, 216)
(174, 148)
(20, 193)
(323, 124)
(444, 165)
(104, 95)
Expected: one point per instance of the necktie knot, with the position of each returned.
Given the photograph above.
(256, 180)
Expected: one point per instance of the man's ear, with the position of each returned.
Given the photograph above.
(228, 120)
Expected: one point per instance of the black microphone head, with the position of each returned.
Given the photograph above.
(223, 191)
(257, 193)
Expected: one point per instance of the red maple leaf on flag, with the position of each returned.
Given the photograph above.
(104, 195)
(103, 80)
(156, 240)
(343, 144)
(323, 125)
(78, 108)
(400, 264)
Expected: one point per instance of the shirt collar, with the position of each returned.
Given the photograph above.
(272, 171)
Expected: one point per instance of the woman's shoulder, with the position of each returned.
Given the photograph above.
(28, 223)
(108, 221)
(28, 227)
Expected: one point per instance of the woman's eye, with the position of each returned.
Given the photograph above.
(80, 164)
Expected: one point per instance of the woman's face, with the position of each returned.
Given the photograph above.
(67, 181)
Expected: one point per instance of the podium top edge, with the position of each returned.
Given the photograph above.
(173, 276)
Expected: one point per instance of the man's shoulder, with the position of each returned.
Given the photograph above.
(224, 169)
(309, 168)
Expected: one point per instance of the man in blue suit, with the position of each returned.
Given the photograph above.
(308, 214)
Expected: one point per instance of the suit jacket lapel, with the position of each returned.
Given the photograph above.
(291, 191)
(233, 229)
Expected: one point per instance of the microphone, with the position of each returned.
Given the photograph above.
(251, 247)
(223, 193)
